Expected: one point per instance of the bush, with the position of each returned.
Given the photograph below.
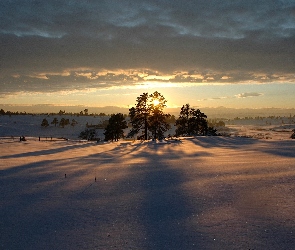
(88, 134)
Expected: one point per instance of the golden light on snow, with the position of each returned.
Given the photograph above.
(212, 189)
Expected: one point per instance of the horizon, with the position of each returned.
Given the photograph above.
(211, 112)
(208, 54)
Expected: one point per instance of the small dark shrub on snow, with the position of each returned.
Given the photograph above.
(88, 134)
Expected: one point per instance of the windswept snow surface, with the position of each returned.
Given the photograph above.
(193, 193)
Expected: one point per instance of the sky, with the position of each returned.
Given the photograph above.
(234, 54)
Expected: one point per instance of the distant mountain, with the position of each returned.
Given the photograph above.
(47, 108)
(219, 112)
(230, 113)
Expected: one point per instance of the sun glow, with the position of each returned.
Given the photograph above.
(156, 102)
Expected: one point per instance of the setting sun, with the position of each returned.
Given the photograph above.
(156, 102)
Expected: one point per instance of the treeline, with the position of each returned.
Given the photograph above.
(269, 120)
(61, 112)
(3, 112)
(61, 123)
(148, 120)
(263, 118)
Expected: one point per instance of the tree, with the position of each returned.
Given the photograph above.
(88, 134)
(139, 115)
(74, 123)
(44, 123)
(158, 124)
(63, 122)
(86, 111)
(114, 129)
(182, 123)
(191, 122)
(148, 115)
(171, 119)
(198, 123)
(61, 112)
(55, 121)
(212, 131)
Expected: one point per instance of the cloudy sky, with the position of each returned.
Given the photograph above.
(106, 53)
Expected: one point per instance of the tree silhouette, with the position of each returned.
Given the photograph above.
(63, 122)
(139, 115)
(148, 115)
(44, 123)
(55, 121)
(88, 134)
(114, 129)
(182, 123)
(198, 123)
(74, 123)
(191, 122)
(158, 124)
(61, 112)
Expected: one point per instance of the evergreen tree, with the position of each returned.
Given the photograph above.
(63, 122)
(148, 115)
(182, 123)
(74, 123)
(158, 124)
(114, 129)
(61, 112)
(88, 134)
(44, 123)
(55, 121)
(139, 115)
(191, 122)
(198, 123)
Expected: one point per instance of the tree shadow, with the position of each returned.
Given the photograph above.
(165, 209)
(222, 142)
(279, 148)
(52, 151)
(137, 202)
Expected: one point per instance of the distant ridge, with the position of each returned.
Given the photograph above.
(218, 112)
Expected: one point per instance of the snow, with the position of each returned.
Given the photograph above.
(28, 125)
(193, 193)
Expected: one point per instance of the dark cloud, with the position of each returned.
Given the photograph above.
(52, 45)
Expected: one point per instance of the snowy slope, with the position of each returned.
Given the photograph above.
(194, 193)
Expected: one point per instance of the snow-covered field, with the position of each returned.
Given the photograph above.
(194, 193)
(30, 126)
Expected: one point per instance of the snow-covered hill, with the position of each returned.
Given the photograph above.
(194, 193)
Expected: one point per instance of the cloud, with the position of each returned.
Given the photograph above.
(193, 42)
(249, 94)
(88, 78)
(242, 95)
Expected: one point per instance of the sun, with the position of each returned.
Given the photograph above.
(156, 102)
